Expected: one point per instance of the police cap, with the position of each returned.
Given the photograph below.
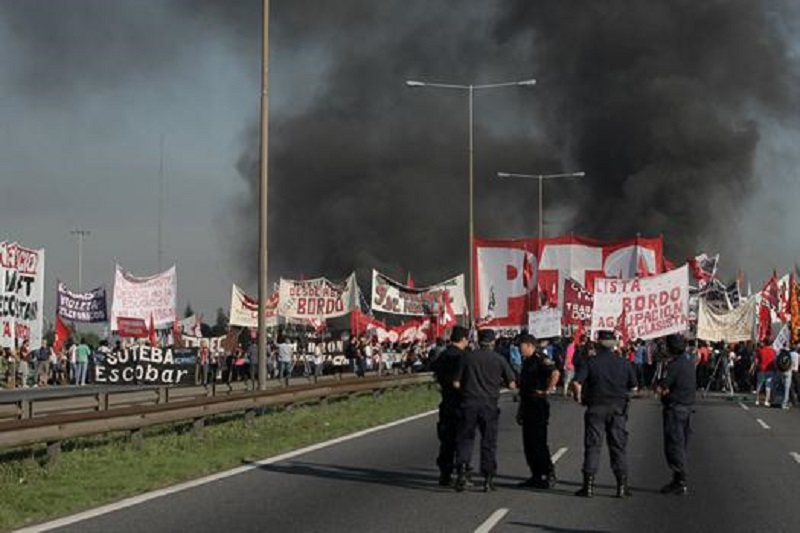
(676, 344)
(486, 335)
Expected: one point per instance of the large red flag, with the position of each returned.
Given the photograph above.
(62, 334)
(410, 282)
(177, 339)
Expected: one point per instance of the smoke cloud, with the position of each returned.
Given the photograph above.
(661, 104)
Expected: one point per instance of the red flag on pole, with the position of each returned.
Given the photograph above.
(527, 272)
(410, 282)
(177, 340)
(152, 332)
(62, 334)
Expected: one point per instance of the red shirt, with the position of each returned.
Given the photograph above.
(704, 354)
(766, 356)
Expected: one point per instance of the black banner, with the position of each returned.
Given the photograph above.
(87, 307)
(146, 365)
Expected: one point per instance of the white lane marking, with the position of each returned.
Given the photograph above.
(136, 500)
(558, 455)
(795, 456)
(762, 423)
(743, 406)
(492, 521)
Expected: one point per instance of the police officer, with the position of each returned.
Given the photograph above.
(677, 389)
(445, 366)
(479, 378)
(537, 378)
(603, 384)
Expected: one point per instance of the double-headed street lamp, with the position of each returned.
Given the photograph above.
(470, 89)
(541, 178)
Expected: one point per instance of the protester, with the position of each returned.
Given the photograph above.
(23, 356)
(764, 364)
(82, 354)
(285, 357)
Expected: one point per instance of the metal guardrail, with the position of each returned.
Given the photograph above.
(107, 412)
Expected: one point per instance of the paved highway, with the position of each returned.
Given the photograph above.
(744, 477)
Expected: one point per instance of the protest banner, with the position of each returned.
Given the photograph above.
(89, 307)
(412, 330)
(215, 344)
(782, 339)
(390, 296)
(132, 328)
(317, 298)
(578, 303)
(652, 307)
(244, 309)
(143, 297)
(147, 365)
(21, 295)
(545, 323)
(735, 325)
(502, 296)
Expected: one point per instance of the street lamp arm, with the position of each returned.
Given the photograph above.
(520, 83)
(415, 83)
(541, 176)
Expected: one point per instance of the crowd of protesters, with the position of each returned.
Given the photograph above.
(43, 366)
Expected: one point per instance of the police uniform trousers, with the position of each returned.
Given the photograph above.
(535, 413)
(677, 429)
(609, 421)
(483, 416)
(447, 430)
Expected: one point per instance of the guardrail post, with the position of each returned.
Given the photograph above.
(25, 409)
(249, 417)
(163, 395)
(53, 451)
(198, 428)
(102, 401)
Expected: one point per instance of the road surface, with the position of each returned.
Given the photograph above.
(743, 477)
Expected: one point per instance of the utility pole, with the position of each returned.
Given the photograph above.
(263, 256)
(161, 203)
(81, 234)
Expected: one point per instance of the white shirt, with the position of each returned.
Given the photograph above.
(285, 352)
(795, 361)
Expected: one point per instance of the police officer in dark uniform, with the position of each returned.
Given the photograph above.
(603, 384)
(479, 378)
(445, 366)
(677, 389)
(537, 378)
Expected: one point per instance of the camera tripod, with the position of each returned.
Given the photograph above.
(721, 376)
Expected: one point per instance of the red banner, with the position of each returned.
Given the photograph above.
(413, 330)
(134, 328)
(504, 292)
(578, 303)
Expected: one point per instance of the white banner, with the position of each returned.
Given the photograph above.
(244, 309)
(736, 325)
(390, 296)
(782, 339)
(652, 307)
(136, 297)
(545, 323)
(317, 298)
(21, 295)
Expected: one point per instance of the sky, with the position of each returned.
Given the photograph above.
(367, 173)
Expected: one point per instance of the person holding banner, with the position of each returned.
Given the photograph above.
(603, 384)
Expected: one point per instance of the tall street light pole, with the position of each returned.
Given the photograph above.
(263, 257)
(470, 90)
(81, 234)
(541, 178)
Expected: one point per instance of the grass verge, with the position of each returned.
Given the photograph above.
(98, 470)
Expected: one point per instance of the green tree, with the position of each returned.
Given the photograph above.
(220, 327)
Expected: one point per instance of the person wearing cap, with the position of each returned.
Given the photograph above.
(444, 367)
(677, 390)
(479, 378)
(603, 384)
(537, 378)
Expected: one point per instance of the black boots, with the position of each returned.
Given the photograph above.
(587, 490)
(461, 478)
(488, 484)
(445, 479)
(677, 486)
(623, 491)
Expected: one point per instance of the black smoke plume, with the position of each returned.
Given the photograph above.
(660, 103)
